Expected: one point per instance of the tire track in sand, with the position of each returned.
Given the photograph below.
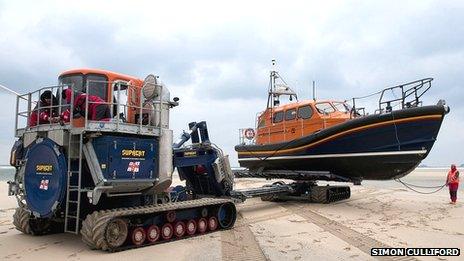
(352, 237)
(239, 243)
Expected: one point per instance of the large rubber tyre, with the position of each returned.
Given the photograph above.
(24, 222)
(93, 230)
(21, 219)
(272, 198)
(267, 198)
(319, 194)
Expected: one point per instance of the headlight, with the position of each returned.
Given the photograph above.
(150, 88)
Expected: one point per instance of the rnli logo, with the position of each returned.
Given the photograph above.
(44, 184)
(133, 166)
(133, 153)
(44, 168)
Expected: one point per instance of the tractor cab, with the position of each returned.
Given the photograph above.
(132, 105)
(120, 91)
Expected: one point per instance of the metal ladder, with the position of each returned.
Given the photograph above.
(73, 186)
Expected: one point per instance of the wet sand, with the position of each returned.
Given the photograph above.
(378, 214)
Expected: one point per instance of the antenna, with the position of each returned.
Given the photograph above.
(9, 90)
(314, 91)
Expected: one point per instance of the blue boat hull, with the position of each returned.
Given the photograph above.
(375, 147)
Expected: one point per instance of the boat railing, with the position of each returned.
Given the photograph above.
(407, 95)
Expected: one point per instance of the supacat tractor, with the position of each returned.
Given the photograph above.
(106, 178)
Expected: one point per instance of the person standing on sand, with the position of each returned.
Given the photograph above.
(452, 181)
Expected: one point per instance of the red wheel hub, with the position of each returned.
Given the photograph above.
(167, 231)
(138, 236)
(153, 233)
(202, 225)
(191, 227)
(179, 229)
(212, 223)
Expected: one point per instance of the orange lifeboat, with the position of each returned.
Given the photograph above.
(337, 138)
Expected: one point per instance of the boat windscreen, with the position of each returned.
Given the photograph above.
(341, 106)
(324, 108)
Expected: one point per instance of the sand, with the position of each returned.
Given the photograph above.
(377, 215)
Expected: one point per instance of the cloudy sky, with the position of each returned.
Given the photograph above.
(215, 55)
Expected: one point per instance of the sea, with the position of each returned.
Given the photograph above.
(6, 173)
(422, 176)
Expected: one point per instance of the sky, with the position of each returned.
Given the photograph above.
(216, 55)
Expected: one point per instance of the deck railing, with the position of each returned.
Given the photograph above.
(401, 96)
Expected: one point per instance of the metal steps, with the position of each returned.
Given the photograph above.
(73, 186)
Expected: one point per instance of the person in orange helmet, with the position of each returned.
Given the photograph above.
(452, 181)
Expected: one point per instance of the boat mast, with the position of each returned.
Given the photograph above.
(276, 90)
(272, 98)
(314, 91)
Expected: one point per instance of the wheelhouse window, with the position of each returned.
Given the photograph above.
(72, 81)
(341, 106)
(290, 114)
(324, 108)
(278, 117)
(97, 85)
(305, 112)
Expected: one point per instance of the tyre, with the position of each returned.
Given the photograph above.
(319, 194)
(21, 219)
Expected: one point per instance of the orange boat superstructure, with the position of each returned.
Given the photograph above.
(295, 120)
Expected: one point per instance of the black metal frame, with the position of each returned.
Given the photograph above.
(416, 89)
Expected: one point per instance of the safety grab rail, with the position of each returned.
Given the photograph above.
(33, 104)
(28, 103)
(411, 93)
(126, 107)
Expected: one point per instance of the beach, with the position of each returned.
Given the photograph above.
(378, 214)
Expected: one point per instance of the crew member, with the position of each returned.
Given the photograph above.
(452, 181)
(98, 109)
(43, 112)
(65, 117)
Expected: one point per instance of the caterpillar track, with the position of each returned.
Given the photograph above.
(125, 228)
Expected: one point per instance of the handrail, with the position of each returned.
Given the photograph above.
(410, 92)
(25, 106)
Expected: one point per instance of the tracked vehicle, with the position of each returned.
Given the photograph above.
(109, 178)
